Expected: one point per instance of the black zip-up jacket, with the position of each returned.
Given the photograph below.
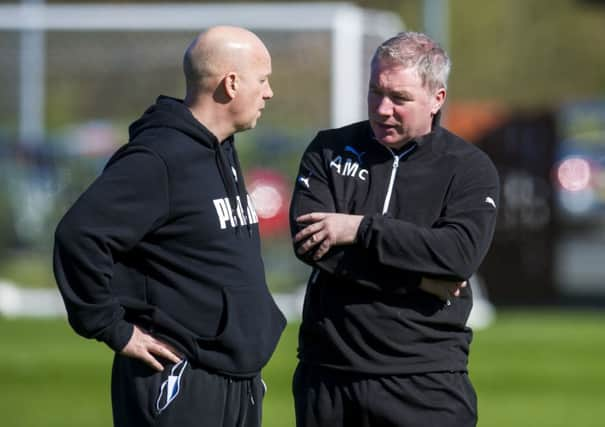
(162, 240)
(429, 210)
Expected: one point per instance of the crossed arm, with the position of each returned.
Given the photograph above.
(384, 252)
(324, 230)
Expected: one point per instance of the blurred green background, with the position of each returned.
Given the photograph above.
(530, 369)
(538, 364)
(512, 55)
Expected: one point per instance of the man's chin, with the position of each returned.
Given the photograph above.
(247, 126)
(385, 136)
(389, 140)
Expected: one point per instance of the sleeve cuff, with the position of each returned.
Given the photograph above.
(363, 231)
(117, 335)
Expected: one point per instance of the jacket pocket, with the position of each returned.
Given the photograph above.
(251, 327)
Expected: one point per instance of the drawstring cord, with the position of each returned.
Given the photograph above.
(241, 186)
(234, 189)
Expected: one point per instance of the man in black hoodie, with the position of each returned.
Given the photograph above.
(160, 257)
(394, 214)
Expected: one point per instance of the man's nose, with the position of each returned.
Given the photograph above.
(268, 92)
(384, 106)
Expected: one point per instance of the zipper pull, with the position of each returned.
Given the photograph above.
(396, 162)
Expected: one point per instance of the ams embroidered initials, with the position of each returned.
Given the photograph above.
(348, 168)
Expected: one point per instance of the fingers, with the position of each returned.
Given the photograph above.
(144, 347)
(162, 351)
(311, 217)
(324, 230)
(318, 241)
(165, 351)
(323, 249)
(150, 355)
(314, 224)
(314, 235)
(152, 361)
(458, 288)
(309, 230)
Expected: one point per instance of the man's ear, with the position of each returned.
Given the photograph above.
(231, 84)
(438, 100)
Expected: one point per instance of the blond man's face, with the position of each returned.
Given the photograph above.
(400, 107)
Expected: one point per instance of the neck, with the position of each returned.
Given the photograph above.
(213, 118)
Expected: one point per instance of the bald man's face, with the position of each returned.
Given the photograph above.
(253, 89)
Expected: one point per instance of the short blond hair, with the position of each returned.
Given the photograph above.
(419, 51)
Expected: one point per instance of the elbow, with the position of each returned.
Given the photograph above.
(66, 232)
(294, 229)
(465, 263)
(468, 252)
(80, 327)
(61, 232)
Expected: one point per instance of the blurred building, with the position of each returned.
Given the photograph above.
(549, 245)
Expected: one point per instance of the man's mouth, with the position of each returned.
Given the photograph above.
(385, 126)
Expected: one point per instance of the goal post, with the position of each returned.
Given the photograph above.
(78, 74)
(346, 23)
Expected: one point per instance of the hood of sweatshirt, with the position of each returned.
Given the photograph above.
(173, 113)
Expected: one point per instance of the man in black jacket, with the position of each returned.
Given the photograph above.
(160, 257)
(394, 214)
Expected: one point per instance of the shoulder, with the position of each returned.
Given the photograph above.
(465, 160)
(358, 129)
(337, 138)
(160, 140)
(172, 146)
(136, 161)
(462, 151)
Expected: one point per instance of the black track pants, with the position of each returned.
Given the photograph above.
(182, 396)
(328, 398)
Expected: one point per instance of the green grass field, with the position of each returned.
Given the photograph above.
(544, 369)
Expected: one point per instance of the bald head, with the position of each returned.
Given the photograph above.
(218, 51)
(227, 73)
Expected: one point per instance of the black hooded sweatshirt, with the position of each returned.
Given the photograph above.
(166, 238)
(429, 210)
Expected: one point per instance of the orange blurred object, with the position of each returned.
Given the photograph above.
(473, 119)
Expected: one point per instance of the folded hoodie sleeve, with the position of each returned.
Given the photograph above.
(127, 201)
(457, 242)
(313, 192)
